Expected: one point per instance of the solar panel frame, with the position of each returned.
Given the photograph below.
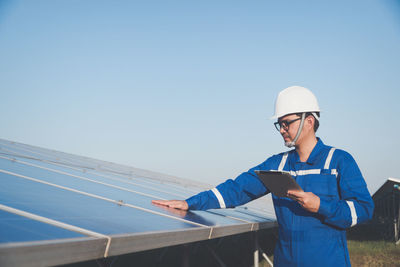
(52, 252)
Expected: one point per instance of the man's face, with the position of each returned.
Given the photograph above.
(289, 125)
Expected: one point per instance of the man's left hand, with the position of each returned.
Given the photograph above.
(307, 200)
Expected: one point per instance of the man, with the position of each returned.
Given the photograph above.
(311, 223)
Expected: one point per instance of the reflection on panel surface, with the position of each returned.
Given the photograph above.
(80, 210)
(241, 215)
(70, 163)
(15, 228)
(136, 185)
(117, 194)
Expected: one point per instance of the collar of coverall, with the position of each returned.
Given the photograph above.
(315, 153)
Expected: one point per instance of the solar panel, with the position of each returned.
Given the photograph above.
(52, 201)
(386, 218)
(15, 228)
(388, 187)
(98, 169)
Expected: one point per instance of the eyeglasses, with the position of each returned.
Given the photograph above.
(284, 124)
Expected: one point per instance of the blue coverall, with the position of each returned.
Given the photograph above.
(305, 238)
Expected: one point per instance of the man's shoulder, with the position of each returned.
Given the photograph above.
(342, 153)
(278, 157)
(339, 152)
(341, 156)
(281, 154)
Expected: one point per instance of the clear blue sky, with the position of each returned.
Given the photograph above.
(187, 87)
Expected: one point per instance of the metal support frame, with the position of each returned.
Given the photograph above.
(394, 214)
(101, 263)
(257, 250)
(162, 254)
(256, 247)
(186, 255)
(220, 262)
(266, 258)
(106, 262)
(387, 212)
(398, 228)
(397, 218)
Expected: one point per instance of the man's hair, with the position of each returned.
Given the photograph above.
(316, 121)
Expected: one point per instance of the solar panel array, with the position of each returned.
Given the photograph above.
(58, 208)
(387, 210)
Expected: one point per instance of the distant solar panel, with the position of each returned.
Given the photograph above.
(58, 208)
(387, 209)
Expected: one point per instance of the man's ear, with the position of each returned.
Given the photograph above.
(310, 121)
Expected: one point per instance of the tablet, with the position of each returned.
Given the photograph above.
(278, 182)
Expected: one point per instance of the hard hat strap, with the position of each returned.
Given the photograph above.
(315, 115)
(293, 143)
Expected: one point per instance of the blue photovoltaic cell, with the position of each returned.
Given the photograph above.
(106, 168)
(121, 182)
(175, 190)
(15, 228)
(255, 213)
(80, 210)
(93, 166)
(244, 216)
(12, 150)
(206, 218)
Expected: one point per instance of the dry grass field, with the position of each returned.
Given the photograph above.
(373, 253)
(370, 254)
(369, 245)
(373, 245)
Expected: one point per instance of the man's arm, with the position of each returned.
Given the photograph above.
(231, 193)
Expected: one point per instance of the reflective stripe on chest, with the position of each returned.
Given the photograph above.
(310, 171)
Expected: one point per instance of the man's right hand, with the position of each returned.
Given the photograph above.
(176, 204)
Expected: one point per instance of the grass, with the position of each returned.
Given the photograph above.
(369, 245)
(373, 253)
(373, 245)
(368, 254)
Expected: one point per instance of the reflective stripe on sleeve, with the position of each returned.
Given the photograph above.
(353, 213)
(219, 197)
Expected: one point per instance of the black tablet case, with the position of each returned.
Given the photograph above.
(278, 182)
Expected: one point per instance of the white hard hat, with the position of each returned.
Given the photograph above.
(295, 99)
